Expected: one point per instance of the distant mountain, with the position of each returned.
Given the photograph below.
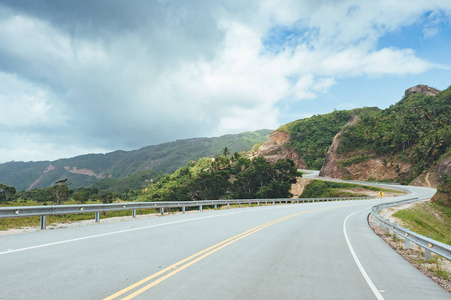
(86, 170)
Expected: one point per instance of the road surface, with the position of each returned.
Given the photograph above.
(292, 251)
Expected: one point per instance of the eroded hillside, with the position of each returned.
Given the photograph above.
(403, 143)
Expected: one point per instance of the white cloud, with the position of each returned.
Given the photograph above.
(186, 70)
(32, 147)
(25, 104)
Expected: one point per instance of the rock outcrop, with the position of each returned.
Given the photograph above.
(372, 167)
(444, 166)
(331, 167)
(421, 88)
(75, 170)
(275, 148)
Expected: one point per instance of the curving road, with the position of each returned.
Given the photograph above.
(294, 251)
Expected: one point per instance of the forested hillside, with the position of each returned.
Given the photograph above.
(408, 137)
(86, 170)
(312, 137)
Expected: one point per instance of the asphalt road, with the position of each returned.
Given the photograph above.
(294, 251)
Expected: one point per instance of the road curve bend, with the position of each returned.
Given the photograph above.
(293, 251)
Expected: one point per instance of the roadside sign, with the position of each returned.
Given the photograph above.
(381, 194)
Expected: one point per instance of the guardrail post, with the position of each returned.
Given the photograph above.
(273, 202)
(216, 206)
(406, 243)
(250, 204)
(427, 254)
(266, 202)
(162, 210)
(134, 213)
(97, 217)
(43, 222)
(239, 205)
(200, 207)
(183, 209)
(258, 203)
(387, 230)
(228, 205)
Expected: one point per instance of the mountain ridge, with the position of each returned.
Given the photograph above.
(85, 170)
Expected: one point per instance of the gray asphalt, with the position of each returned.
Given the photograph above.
(303, 257)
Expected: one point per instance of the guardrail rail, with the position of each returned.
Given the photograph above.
(52, 210)
(429, 245)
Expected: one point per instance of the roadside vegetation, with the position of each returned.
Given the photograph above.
(225, 177)
(429, 219)
(18, 223)
(443, 195)
(330, 189)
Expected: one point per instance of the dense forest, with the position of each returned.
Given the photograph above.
(225, 178)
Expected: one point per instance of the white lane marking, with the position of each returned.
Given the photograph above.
(357, 261)
(9, 251)
(112, 233)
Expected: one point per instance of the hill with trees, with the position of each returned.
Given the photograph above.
(103, 169)
(400, 143)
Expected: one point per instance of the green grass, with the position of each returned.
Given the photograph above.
(17, 223)
(422, 218)
(330, 189)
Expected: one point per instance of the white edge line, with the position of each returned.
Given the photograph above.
(357, 261)
(121, 231)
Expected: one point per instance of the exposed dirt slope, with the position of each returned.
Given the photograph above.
(275, 148)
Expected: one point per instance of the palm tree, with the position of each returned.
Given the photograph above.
(225, 151)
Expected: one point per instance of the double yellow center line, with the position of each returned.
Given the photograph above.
(185, 263)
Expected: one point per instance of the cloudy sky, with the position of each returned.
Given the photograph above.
(97, 76)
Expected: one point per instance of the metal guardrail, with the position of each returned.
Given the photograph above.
(428, 244)
(52, 210)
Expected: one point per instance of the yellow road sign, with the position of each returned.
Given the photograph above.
(381, 194)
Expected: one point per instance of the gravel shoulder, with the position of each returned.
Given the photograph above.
(414, 255)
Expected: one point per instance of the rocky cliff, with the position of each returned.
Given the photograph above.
(421, 88)
(331, 167)
(276, 148)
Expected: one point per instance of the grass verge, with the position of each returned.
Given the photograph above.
(428, 219)
(330, 189)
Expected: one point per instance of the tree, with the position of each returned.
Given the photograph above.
(6, 192)
(106, 197)
(60, 191)
(225, 151)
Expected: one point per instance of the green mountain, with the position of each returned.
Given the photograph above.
(402, 143)
(406, 143)
(86, 170)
